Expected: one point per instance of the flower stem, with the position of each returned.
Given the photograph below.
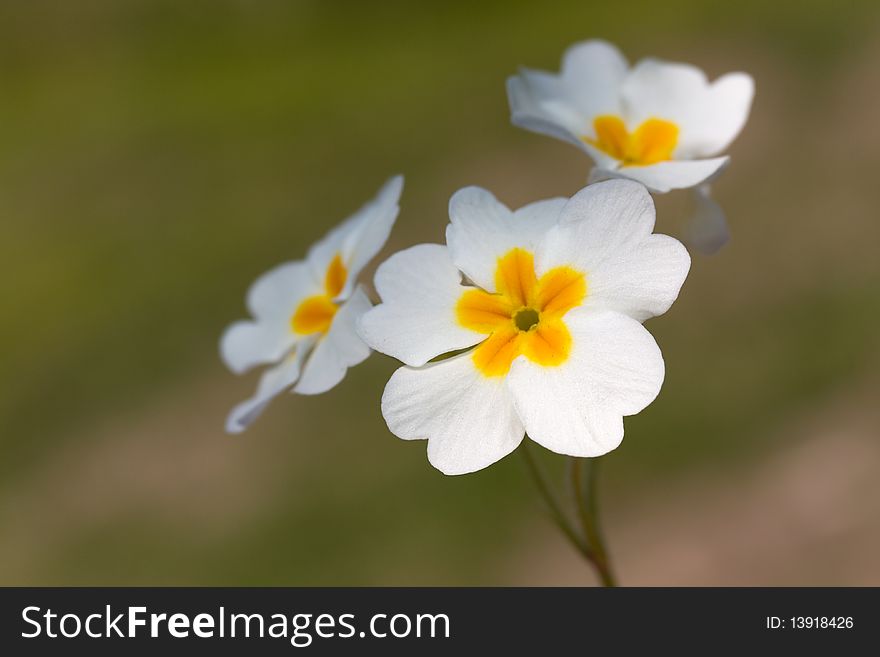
(555, 509)
(584, 478)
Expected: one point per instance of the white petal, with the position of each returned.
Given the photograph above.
(274, 381)
(593, 72)
(478, 221)
(535, 219)
(605, 232)
(468, 419)
(577, 408)
(564, 105)
(715, 122)
(483, 230)
(246, 344)
(360, 237)
(340, 349)
(642, 282)
(276, 294)
(665, 90)
(416, 321)
(539, 102)
(707, 228)
(672, 174)
(617, 210)
(709, 116)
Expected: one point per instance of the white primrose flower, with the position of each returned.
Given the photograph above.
(305, 312)
(660, 123)
(537, 316)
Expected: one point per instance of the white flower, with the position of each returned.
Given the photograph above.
(551, 298)
(305, 312)
(654, 122)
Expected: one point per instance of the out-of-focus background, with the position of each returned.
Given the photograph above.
(155, 157)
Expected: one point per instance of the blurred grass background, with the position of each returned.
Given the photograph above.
(155, 157)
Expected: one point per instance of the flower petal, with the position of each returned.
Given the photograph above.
(709, 116)
(276, 294)
(483, 230)
(359, 238)
(718, 117)
(246, 344)
(468, 419)
(540, 102)
(577, 408)
(642, 282)
(274, 381)
(605, 232)
(340, 349)
(563, 106)
(416, 320)
(665, 90)
(535, 219)
(673, 174)
(617, 211)
(593, 72)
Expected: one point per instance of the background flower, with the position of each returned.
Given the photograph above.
(554, 296)
(659, 123)
(305, 312)
(653, 123)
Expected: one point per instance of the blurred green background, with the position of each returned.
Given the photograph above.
(155, 157)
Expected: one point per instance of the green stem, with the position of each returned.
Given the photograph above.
(555, 509)
(584, 478)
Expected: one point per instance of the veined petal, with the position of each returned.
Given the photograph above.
(417, 319)
(274, 381)
(641, 282)
(482, 230)
(338, 350)
(467, 418)
(673, 174)
(559, 290)
(494, 355)
(549, 344)
(605, 232)
(612, 213)
(246, 344)
(359, 238)
(515, 276)
(615, 369)
(483, 312)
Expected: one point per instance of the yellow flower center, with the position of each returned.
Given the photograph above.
(315, 313)
(525, 316)
(653, 141)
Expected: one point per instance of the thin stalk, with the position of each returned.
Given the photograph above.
(555, 509)
(584, 479)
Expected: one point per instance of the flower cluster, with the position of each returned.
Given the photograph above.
(527, 321)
